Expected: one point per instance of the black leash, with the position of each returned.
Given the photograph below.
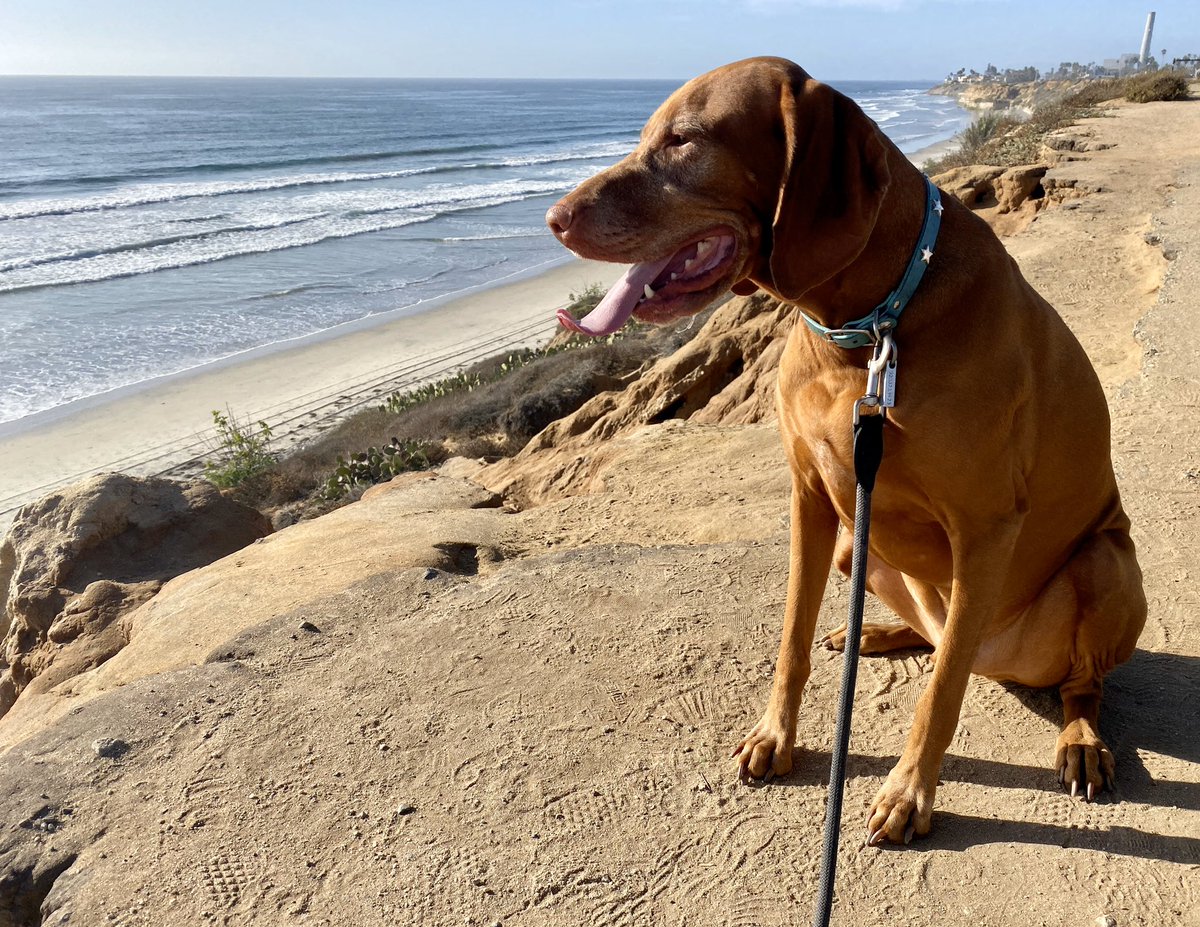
(868, 452)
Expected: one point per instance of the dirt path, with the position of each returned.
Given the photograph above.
(542, 740)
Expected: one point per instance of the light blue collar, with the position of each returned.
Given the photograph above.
(885, 316)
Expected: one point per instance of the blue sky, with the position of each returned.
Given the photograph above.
(833, 39)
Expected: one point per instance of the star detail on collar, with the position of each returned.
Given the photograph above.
(926, 254)
(938, 207)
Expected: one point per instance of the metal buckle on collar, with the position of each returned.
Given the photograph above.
(880, 328)
(833, 334)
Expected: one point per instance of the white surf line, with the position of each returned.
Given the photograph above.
(353, 394)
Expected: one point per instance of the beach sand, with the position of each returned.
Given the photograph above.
(165, 425)
(934, 151)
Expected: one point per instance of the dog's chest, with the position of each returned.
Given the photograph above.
(904, 531)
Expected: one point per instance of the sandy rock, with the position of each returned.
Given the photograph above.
(725, 375)
(982, 186)
(78, 559)
(972, 185)
(418, 520)
(110, 748)
(994, 95)
(1017, 185)
(1008, 199)
(1073, 138)
(674, 483)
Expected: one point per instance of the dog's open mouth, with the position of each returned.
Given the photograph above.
(659, 291)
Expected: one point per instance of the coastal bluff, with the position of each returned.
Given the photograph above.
(998, 96)
(505, 693)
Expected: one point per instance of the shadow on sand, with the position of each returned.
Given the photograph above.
(1151, 705)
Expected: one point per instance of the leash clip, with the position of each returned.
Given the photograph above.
(881, 375)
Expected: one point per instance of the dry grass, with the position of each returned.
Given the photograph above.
(1158, 85)
(490, 421)
(1007, 142)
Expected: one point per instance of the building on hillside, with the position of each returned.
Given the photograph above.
(1120, 67)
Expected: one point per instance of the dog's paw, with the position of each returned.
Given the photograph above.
(765, 752)
(1084, 764)
(902, 807)
(877, 637)
(835, 640)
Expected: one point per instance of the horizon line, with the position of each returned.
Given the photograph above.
(883, 80)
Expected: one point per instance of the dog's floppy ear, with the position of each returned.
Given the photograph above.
(834, 180)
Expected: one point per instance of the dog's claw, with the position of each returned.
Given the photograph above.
(1074, 787)
(874, 837)
(1091, 791)
(908, 833)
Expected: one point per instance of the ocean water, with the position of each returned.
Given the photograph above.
(153, 225)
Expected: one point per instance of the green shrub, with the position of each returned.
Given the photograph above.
(984, 129)
(399, 402)
(1095, 92)
(466, 381)
(243, 453)
(583, 303)
(374, 465)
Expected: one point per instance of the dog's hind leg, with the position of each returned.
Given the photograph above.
(1081, 757)
(916, 604)
(1110, 610)
(877, 638)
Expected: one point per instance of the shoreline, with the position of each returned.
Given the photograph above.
(42, 417)
(934, 151)
(300, 388)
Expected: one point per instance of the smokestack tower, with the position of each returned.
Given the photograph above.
(1145, 53)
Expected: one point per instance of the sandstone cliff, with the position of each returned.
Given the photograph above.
(1015, 98)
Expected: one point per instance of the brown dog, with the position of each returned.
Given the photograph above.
(998, 535)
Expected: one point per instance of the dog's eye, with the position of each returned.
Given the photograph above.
(675, 140)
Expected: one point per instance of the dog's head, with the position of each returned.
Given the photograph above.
(750, 175)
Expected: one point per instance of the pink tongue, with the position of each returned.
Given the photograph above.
(618, 304)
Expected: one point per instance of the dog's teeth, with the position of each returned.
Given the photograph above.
(687, 265)
(649, 292)
(702, 247)
(674, 276)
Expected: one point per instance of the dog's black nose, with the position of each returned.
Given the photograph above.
(559, 218)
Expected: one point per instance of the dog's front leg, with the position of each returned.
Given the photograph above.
(904, 805)
(767, 749)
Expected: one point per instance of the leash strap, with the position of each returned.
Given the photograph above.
(868, 452)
